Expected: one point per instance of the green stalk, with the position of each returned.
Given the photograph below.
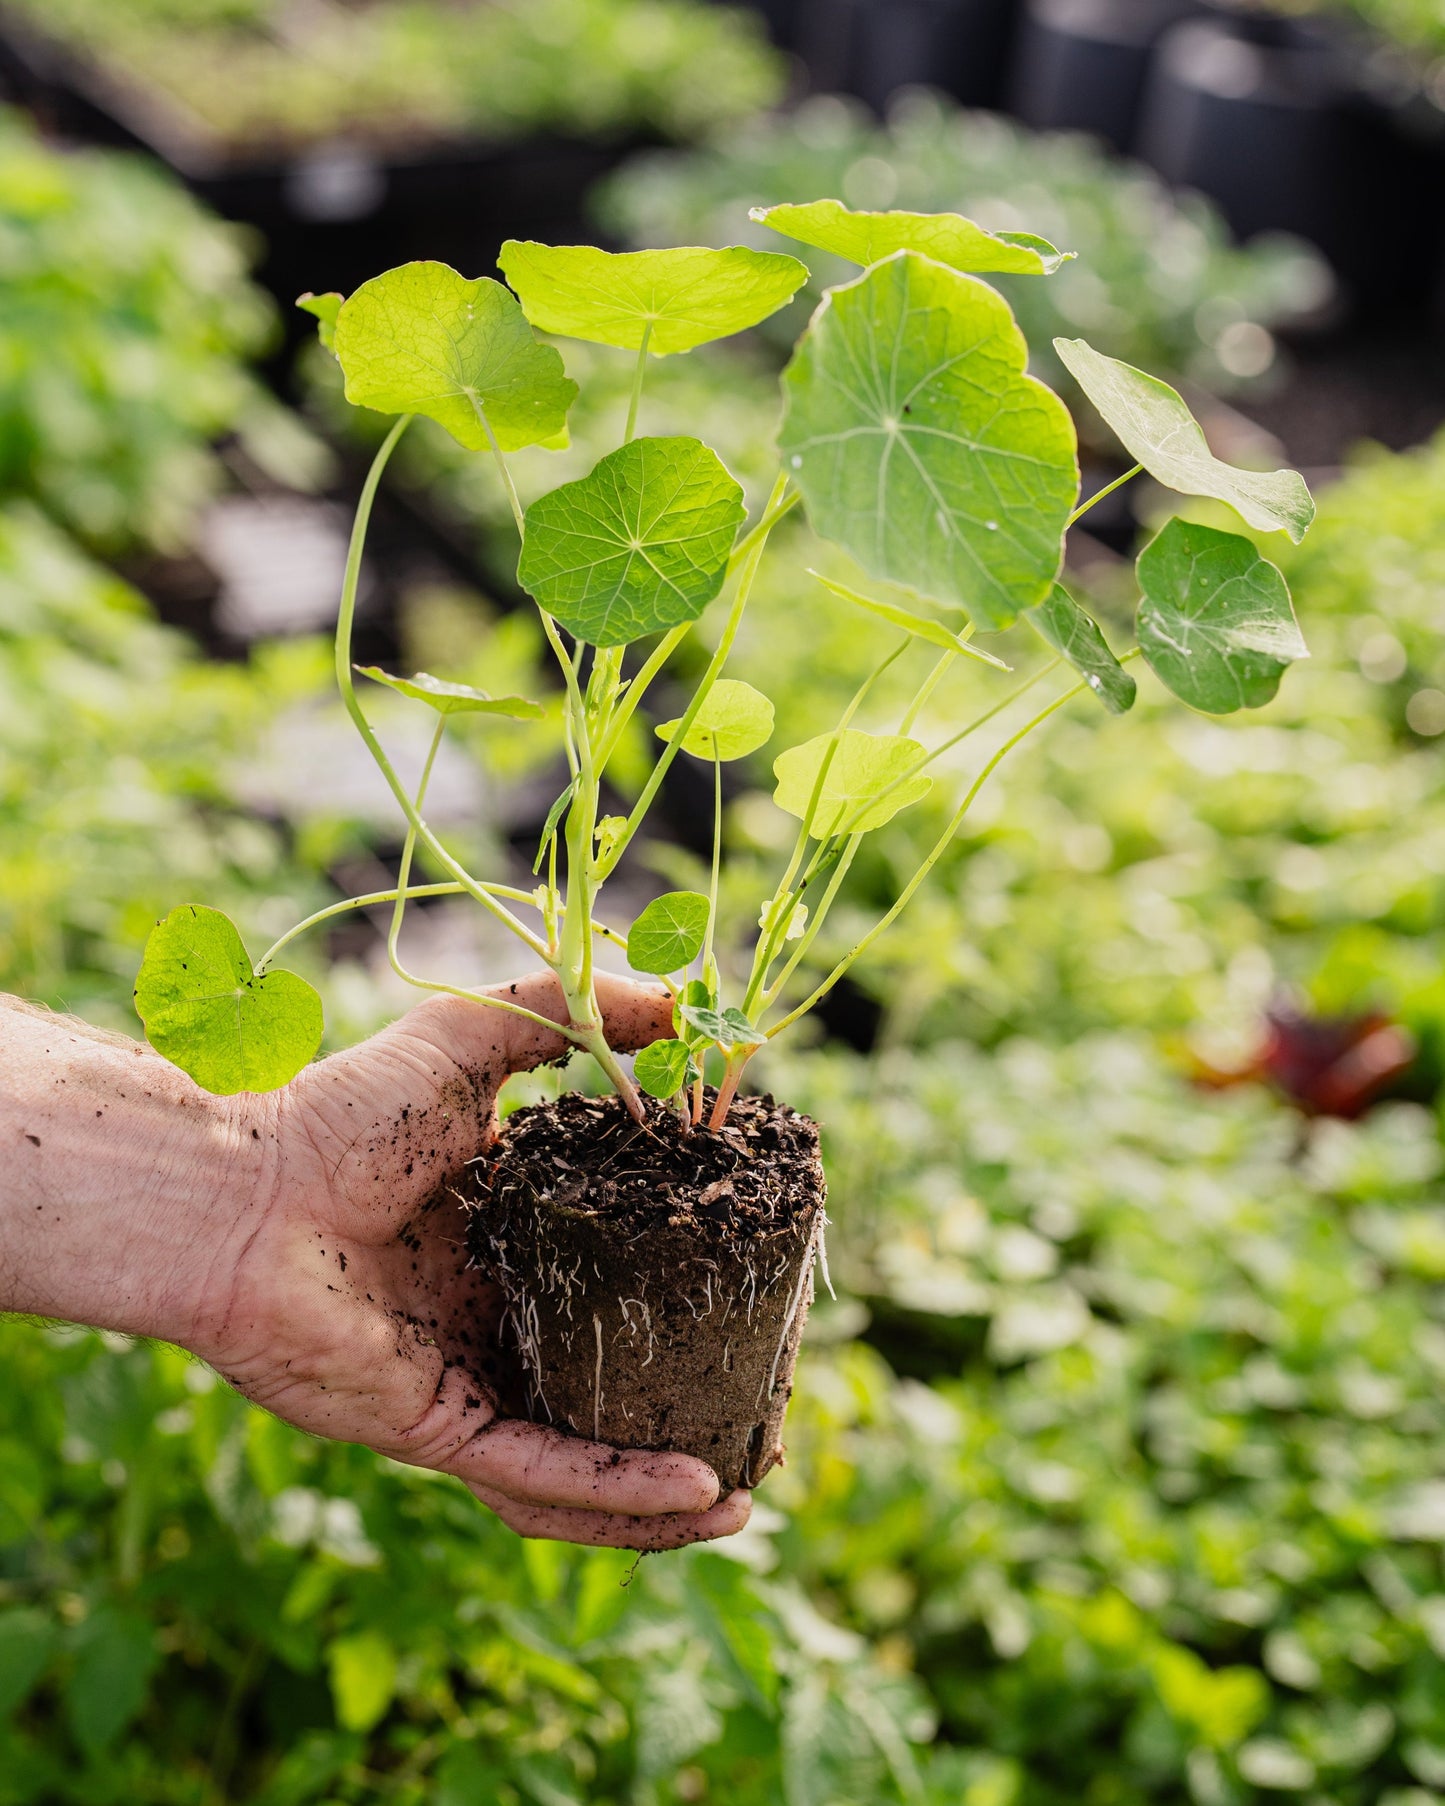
(712, 890)
(499, 459)
(925, 690)
(637, 381)
(1108, 489)
(815, 922)
(637, 689)
(403, 877)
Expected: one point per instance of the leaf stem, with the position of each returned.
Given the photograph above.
(712, 892)
(637, 381)
(925, 690)
(403, 877)
(1108, 489)
(513, 498)
(637, 689)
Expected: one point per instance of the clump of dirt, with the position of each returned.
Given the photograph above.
(657, 1280)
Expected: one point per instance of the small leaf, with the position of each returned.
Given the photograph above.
(363, 1679)
(1215, 622)
(423, 340)
(696, 994)
(27, 1638)
(919, 625)
(1154, 424)
(734, 720)
(325, 307)
(1066, 627)
(948, 238)
(638, 545)
(728, 1028)
(608, 834)
(921, 445)
(111, 1677)
(549, 827)
(456, 699)
(664, 1068)
(669, 934)
(206, 1011)
(861, 768)
(688, 296)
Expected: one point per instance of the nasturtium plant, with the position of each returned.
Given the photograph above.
(916, 442)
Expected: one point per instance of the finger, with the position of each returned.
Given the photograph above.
(633, 1016)
(615, 1531)
(536, 1466)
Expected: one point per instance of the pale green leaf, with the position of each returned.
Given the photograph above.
(664, 1068)
(325, 308)
(363, 1679)
(920, 626)
(549, 828)
(948, 238)
(922, 447)
(1154, 424)
(638, 545)
(734, 720)
(206, 1011)
(1072, 633)
(696, 994)
(449, 698)
(669, 933)
(861, 767)
(423, 340)
(1215, 620)
(728, 1028)
(686, 297)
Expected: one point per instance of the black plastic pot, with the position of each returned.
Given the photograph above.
(1081, 65)
(872, 48)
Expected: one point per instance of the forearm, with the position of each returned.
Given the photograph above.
(117, 1177)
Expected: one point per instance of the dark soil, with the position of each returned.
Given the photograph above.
(657, 1280)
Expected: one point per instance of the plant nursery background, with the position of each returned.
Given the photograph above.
(1116, 1469)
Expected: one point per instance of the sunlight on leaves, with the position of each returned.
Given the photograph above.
(669, 933)
(734, 720)
(325, 308)
(1072, 633)
(920, 626)
(455, 699)
(948, 238)
(862, 767)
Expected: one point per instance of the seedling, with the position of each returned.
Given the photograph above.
(916, 441)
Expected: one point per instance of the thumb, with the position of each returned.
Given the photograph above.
(633, 1016)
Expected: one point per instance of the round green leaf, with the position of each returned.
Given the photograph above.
(638, 545)
(664, 1068)
(325, 308)
(669, 933)
(423, 340)
(1155, 426)
(687, 297)
(455, 699)
(949, 238)
(734, 720)
(1215, 622)
(1066, 627)
(921, 446)
(862, 767)
(207, 1012)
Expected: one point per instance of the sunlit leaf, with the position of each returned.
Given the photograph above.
(728, 1028)
(920, 626)
(1215, 619)
(638, 545)
(423, 340)
(687, 296)
(669, 933)
(325, 308)
(921, 445)
(1154, 424)
(363, 1678)
(734, 720)
(456, 699)
(664, 1068)
(949, 238)
(861, 768)
(207, 1012)
(1071, 632)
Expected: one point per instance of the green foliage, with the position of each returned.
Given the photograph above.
(1072, 633)
(849, 782)
(920, 626)
(670, 932)
(947, 238)
(734, 720)
(668, 300)
(950, 470)
(449, 698)
(664, 1068)
(205, 1008)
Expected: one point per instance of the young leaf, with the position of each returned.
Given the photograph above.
(919, 625)
(728, 1028)
(734, 720)
(325, 307)
(207, 1012)
(923, 448)
(664, 1068)
(456, 699)
(696, 994)
(1215, 622)
(1154, 424)
(638, 545)
(949, 238)
(423, 340)
(669, 933)
(1066, 627)
(687, 297)
(861, 768)
(554, 815)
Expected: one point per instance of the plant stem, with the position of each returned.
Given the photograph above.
(403, 877)
(925, 690)
(728, 1090)
(511, 488)
(712, 890)
(819, 916)
(1108, 489)
(778, 506)
(344, 623)
(637, 381)
(637, 689)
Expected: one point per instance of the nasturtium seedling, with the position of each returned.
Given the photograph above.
(1154, 425)
(734, 720)
(1215, 620)
(670, 932)
(1076, 637)
(865, 780)
(449, 698)
(424, 340)
(664, 1068)
(206, 1009)
(638, 545)
(665, 301)
(948, 238)
(922, 446)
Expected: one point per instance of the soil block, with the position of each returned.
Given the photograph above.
(657, 1280)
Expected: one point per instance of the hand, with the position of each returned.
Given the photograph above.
(342, 1300)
